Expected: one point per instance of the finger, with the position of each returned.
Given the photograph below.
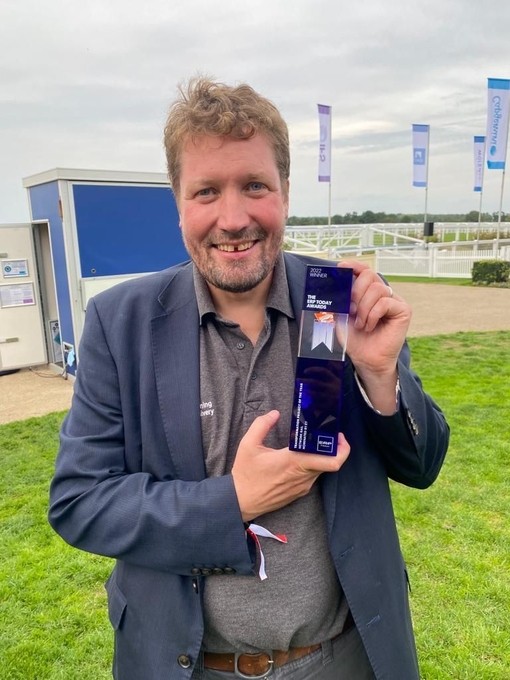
(380, 310)
(261, 427)
(356, 265)
(362, 283)
(392, 293)
(359, 267)
(317, 462)
(343, 448)
(366, 296)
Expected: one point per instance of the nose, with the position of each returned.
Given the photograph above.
(232, 213)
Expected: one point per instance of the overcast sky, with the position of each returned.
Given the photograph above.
(87, 83)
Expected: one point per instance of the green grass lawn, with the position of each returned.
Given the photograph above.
(52, 602)
(455, 537)
(427, 279)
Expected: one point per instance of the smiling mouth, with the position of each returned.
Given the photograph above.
(229, 248)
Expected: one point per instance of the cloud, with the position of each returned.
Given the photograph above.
(88, 85)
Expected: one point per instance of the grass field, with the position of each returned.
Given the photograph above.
(427, 279)
(455, 537)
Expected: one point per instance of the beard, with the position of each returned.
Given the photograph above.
(237, 276)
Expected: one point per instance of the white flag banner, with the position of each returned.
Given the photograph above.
(420, 154)
(497, 122)
(324, 143)
(479, 158)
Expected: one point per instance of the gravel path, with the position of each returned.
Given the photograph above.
(440, 309)
(437, 309)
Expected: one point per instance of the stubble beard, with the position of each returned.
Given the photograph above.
(238, 276)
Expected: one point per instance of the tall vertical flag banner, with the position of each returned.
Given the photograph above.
(479, 158)
(497, 122)
(324, 143)
(420, 154)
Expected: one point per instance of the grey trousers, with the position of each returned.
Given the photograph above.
(341, 659)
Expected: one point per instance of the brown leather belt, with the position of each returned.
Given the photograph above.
(259, 664)
(255, 665)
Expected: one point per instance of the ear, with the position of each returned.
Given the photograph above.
(286, 195)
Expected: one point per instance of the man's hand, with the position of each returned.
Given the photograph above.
(378, 325)
(267, 479)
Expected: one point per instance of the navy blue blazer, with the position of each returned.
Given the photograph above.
(130, 483)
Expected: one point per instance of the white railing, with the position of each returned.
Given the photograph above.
(350, 237)
(439, 259)
(341, 238)
(400, 249)
(324, 238)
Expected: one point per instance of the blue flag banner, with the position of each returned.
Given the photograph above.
(324, 143)
(497, 122)
(420, 154)
(479, 158)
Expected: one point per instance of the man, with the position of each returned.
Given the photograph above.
(174, 455)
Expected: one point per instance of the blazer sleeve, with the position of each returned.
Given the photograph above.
(412, 442)
(105, 499)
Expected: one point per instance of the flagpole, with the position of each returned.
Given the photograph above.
(500, 203)
(330, 170)
(329, 204)
(427, 180)
(479, 216)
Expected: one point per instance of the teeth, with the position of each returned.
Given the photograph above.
(228, 248)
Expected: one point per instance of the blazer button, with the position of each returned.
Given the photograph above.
(184, 661)
(206, 571)
(217, 571)
(229, 570)
(195, 571)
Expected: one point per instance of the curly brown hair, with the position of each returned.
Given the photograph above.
(206, 107)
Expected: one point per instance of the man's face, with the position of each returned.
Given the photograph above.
(233, 209)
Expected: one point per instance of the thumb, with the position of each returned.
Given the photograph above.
(261, 427)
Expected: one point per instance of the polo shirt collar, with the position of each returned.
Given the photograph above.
(278, 298)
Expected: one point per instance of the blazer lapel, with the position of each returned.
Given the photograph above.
(295, 268)
(176, 352)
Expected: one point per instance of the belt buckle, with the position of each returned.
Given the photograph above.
(240, 674)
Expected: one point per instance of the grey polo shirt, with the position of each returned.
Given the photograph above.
(301, 602)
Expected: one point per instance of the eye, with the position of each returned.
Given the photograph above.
(256, 186)
(205, 192)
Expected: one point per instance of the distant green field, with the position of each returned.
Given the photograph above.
(455, 537)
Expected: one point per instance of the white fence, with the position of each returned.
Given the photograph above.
(342, 238)
(400, 249)
(440, 260)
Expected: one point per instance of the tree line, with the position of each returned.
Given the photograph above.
(370, 217)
